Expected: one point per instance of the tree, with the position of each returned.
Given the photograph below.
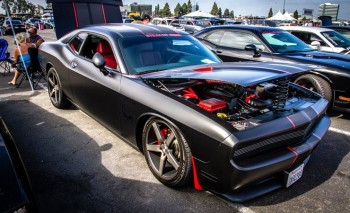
(178, 10)
(9, 4)
(189, 6)
(220, 12)
(270, 13)
(226, 13)
(214, 9)
(31, 8)
(166, 10)
(156, 10)
(296, 14)
(197, 7)
(184, 8)
(49, 6)
(232, 15)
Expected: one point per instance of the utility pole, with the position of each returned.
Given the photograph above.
(284, 4)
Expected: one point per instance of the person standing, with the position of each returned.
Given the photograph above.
(34, 39)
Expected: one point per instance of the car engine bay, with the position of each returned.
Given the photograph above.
(242, 107)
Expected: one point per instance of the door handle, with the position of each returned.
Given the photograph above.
(218, 51)
(73, 65)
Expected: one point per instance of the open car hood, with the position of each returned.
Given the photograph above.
(243, 74)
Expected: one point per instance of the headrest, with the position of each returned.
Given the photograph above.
(103, 47)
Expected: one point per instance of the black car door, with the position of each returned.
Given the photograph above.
(232, 47)
(95, 93)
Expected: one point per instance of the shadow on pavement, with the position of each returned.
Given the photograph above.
(66, 167)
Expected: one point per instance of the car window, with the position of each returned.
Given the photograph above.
(282, 41)
(214, 37)
(94, 44)
(76, 42)
(149, 54)
(314, 37)
(239, 40)
(336, 39)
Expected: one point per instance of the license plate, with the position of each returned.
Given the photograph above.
(294, 175)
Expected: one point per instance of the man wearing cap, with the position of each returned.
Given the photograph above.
(146, 19)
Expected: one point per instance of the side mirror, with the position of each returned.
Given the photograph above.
(252, 47)
(98, 60)
(100, 63)
(316, 45)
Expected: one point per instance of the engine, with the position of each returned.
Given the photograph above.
(242, 107)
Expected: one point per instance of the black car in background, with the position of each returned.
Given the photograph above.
(330, 77)
(15, 189)
(18, 27)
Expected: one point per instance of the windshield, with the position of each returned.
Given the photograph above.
(337, 39)
(13, 22)
(283, 42)
(164, 51)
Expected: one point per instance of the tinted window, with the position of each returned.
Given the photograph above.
(309, 37)
(148, 54)
(239, 40)
(283, 41)
(76, 42)
(13, 22)
(214, 37)
(336, 39)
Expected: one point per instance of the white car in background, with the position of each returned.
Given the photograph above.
(167, 23)
(321, 38)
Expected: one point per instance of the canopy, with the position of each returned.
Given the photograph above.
(199, 14)
(288, 17)
(278, 17)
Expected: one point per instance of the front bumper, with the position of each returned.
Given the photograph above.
(278, 147)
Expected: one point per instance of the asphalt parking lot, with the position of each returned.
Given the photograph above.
(76, 165)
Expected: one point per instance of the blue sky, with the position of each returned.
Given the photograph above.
(249, 7)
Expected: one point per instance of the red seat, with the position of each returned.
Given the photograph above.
(104, 48)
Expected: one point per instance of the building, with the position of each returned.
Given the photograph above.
(136, 8)
(329, 9)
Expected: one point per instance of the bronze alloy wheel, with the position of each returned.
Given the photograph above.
(166, 152)
(57, 97)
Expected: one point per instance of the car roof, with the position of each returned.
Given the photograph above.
(306, 29)
(252, 28)
(127, 30)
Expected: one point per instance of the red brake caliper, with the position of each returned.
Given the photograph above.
(163, 133)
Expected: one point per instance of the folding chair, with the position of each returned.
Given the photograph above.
(34, 69)
(4, 57)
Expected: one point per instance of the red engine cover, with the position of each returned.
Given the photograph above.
(212, 104)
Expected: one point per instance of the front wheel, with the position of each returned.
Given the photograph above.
(57, 97)
(316, 84)
(167, 153)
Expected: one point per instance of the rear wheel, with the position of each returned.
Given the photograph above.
(166, 152)
(57, 97)
(316, 84)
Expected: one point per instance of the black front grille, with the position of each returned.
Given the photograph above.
(283, 140)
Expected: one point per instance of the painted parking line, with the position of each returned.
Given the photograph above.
(339, 131)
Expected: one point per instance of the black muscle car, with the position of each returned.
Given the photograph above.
(239, 130)
(15, 190)
(256, 43)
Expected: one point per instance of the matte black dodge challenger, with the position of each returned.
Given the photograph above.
(239, 130)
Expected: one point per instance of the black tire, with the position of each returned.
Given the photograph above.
(167, 153)
(316, 84)
(56, 94)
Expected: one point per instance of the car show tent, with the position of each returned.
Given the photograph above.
(198, 14)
